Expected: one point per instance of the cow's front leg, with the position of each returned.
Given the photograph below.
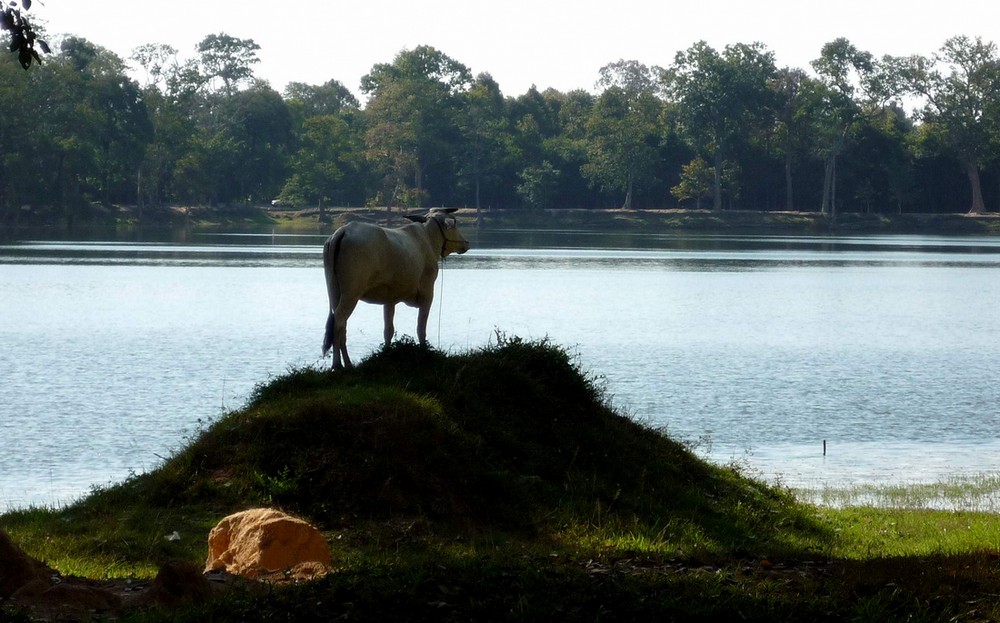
(388, 313)
(423, 313)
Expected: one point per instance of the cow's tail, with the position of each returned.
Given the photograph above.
(331, 250)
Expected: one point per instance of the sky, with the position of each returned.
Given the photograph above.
(560, 44)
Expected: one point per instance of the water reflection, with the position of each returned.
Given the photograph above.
(545, 249)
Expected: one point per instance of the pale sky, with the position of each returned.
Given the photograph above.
(548, 43)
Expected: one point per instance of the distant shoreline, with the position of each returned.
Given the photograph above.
(121, 221)
(680, 221)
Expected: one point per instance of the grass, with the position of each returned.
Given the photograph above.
(499, 485)
(979, 492)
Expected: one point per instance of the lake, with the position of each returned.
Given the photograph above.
(754, 349)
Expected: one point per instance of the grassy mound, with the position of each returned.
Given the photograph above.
(512, 438)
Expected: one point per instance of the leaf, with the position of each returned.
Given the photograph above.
(6, 20)
(44, 46)
(24, 57)
(26, 4)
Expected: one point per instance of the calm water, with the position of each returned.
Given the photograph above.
(756, 348)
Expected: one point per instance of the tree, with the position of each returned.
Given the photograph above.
(792, 89)
(329, 98)
(72, 134)
(854, 86)
(228, 58)
(412, 127)
(257, 126)
(327, 153)
(482, 124)
(154, 58)
(538, 184)
(724, 98)
(621, 130)
(238, 153)
(697, 178)
(177, 104)
(961, 83)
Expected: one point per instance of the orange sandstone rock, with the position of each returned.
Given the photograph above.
(262, 541)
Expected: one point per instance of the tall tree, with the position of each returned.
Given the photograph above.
(723, 97)
(257, 126)
(792, 89)
(155, 59)
(412, 129)
(622, 128)
(855, 85)
(961, 83)
(229, 59)
(482, 123)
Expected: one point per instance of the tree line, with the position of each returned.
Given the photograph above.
(720, 129)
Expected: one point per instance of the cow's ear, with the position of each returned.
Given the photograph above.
(416, 218)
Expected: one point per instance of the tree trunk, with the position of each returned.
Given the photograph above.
(789, 196)
(627, 205)
(833, 191)
(418, 179)
(978, 206)
(828, 174)
(717, 200)
(829, 207)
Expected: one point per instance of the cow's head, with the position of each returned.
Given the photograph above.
(443, 221)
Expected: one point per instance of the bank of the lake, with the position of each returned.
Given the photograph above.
(498, 484)
(110, 219)
(680, 221)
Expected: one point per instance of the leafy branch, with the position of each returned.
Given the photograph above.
(23, 38)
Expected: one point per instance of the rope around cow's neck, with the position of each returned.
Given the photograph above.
(444, 237)
(444, 248)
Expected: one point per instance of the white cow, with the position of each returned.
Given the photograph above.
(373, 264)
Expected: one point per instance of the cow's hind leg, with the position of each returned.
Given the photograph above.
(388, 313)
(328, 335)
(340, 316)
(330, 340)
(347, 358)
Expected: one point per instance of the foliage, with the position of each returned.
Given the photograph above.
(538, 184)
(412, 121)
(85, 144)
(696, 182)
(960, 84)
(622, 129)
(228, 58)
(23, 38)
(724, 98)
